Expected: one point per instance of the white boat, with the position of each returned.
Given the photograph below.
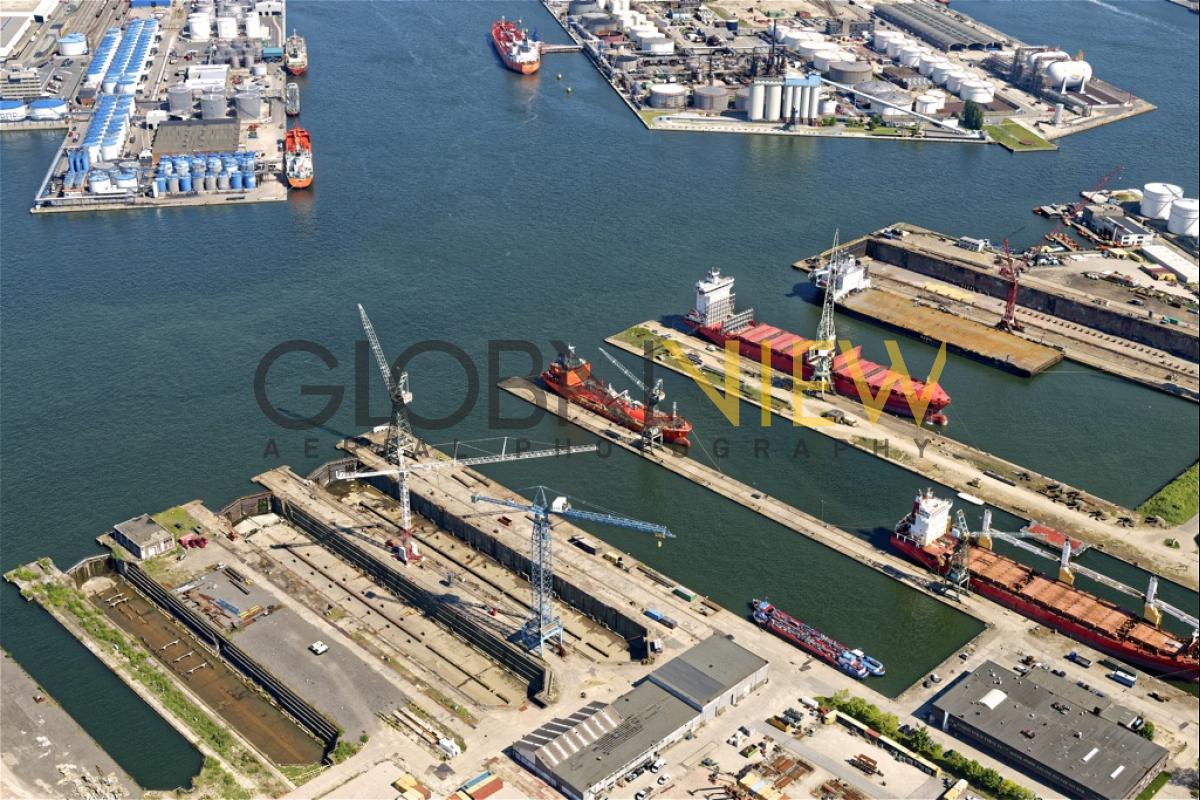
(970, 498)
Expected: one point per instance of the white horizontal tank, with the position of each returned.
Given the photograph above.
(1065, 75)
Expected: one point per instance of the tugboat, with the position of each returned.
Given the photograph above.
(298, 158)
(295, 54)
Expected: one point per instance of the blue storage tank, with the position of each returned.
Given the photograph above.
(183, 165)
(185, 183)
(249, 181)
(235, 181)
(199, 164)
(160, 183)
(214, 163)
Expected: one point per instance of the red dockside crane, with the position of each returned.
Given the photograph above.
(1010, 269)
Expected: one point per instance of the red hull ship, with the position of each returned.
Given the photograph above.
(570, 377)
(518, 52)
(925, 537)
(714, 318)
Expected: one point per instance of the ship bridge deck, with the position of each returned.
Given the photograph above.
(1073, 604)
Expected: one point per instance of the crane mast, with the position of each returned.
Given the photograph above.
(543, 625)
(399, 434)
(651, 433)
(822, 356)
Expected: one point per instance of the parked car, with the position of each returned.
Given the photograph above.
(318, 647)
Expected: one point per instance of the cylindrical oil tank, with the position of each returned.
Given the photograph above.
(179, 101)
(235, 181)
(928, 61)
(668, 95)
(125, 180)
(249, 104)
(711, 99)
(98, 181)
(811, 48)
(1157, 199)
(210, 182)
(980, 91)
(823, 59)
(955, 79)
(199, 26)
(47, 108)
(891, 103)
(1184, 217)
(185, 183)
(850, 72)
(942, 71)
(227, 27)
(253, 25)
(212, 105)
(173, 184)
(882, 37)
(910, 56)
(758, 102)
(741, 100)
(894, 46)
(13, 110)
(626, 62)
(223, 182)
(828, 107)
(773, 107)
(926, 104)
(72, 45)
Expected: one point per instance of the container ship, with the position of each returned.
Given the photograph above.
(298, 158)
(714, 318)
(295, 54)
(813, 642)
(570, 377)
(518, 52)
(925, 536)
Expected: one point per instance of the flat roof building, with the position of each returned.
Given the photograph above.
(1065, 738)
(586, 753)
(143, 537)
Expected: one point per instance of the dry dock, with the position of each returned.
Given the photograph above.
(923, 318)
(938, 458)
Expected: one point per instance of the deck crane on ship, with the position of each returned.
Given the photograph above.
(543, 624)
(651, 433)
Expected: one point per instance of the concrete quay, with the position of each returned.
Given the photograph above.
(936, 457)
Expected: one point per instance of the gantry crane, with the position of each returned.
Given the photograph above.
(1152, 608)
(543, 624)
(1010, 268)
(651, 434)
(399, 434)
(822, 354)
(408, 552)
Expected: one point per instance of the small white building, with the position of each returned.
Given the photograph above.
(143, 537)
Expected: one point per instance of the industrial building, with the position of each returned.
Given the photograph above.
(1110, 222)
(143, 537)
(586, 753)
(1071, 739)
(936, 27)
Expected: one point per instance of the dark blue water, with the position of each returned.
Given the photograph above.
(458, 201)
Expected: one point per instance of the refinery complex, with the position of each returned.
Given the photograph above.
(931, 596)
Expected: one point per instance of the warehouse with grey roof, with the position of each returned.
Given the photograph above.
(937, 27)
(591, 750)
(1069, 739)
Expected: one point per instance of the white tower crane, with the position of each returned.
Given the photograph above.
(408, 549)
(543, 625)
(399, 434)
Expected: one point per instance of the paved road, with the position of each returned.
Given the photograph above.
(41, 737)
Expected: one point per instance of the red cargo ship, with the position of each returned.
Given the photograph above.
(925, 537)
(570, 376)
(518, 52)
(714, 318)
(809, 639)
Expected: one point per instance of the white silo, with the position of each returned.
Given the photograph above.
(1157, 199)
(227, 27)
(774, 102)
(940, 72)
(1184, 219)
(758, 98)
(926, 104)
(813, 104)
(789, 101)
(179, 101)
(199, 26)
(1065, 75)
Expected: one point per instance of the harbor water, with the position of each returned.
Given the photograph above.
(461, 202)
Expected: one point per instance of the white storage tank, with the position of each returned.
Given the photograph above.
(955, 80)
(881, 39)
(928, 61)
(828, 107)
(73, 44)
(212, 105)
(13, 110)
(47, 108)
(1157, 199)
(941, 71)
(823, 59)
(227, 27)
(981, 92)
(668, 95)
(812, 47)
(711, 99)
(894, 46)
(179, 101)
(99, 182)
(1065, 75)
(758, 102)
(1184, 217)
(249, 104)
(253, 26)
(741, 100)
(199, 26)
(911, 56)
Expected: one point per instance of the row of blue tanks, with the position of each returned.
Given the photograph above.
(210, 172)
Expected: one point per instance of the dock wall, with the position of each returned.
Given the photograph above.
(1143, 331)
(297, 707)
(516, 660)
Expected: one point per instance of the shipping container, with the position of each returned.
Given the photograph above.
(477, 780)
(654, 614)
(487, 789)
(685, 593)
(1123, 677)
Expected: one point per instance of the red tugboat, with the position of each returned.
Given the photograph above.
(518, 52)
(925, 536)
(714, 319)
(570, 377)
